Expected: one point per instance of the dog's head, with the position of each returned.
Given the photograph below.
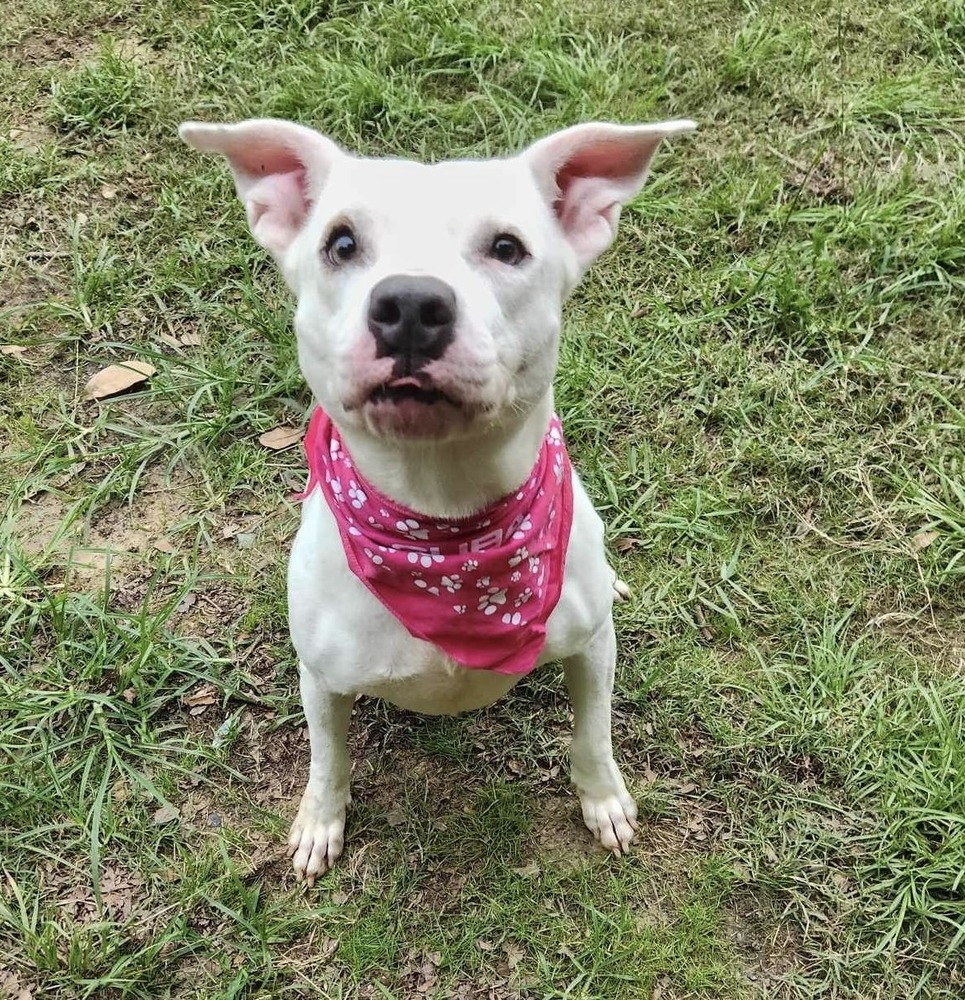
(429, 296)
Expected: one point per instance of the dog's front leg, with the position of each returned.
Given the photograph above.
(317, 834)
(608, 810)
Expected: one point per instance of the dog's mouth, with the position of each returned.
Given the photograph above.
(403, 389)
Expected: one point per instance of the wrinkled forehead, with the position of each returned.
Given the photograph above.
(453, 196)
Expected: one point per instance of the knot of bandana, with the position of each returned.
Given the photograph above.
(479, 588)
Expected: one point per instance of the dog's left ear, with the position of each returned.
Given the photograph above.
(588, 172)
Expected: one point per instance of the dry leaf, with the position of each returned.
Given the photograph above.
(923, 539)
(117, 378)
(514, 954)
(821, 181)
(280, 438)
(483, 945)
(166, 814)
(163, 545)
(12, 349)
(207, 694)
(190, 340)
(186, 603)
(108, 191)
(10, 985)
(129, 695)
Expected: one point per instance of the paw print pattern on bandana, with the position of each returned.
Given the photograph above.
(425, 559)
(411, 528)
(356, 495)
(491, 600)
(525, 527)
(502, 568)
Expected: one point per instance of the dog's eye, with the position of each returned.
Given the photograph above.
(507, 249)
(342, 245)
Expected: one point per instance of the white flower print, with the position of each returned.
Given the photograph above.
(518, 556)
(356, 494)
(336, 489)
(534, 564)
(516, 577)
(373, 556)
(512, 619)
(460, 609)
(554, 436)
(524, 596)
(452, 583)
(489, 601)
(422, 585)
(482, 582)
(469, 565)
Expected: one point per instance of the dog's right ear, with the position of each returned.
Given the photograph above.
(279, 169)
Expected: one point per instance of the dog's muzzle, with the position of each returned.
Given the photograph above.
(412, 319)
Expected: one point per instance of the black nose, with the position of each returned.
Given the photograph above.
(412, 319)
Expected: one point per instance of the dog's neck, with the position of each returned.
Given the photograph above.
(452, 479)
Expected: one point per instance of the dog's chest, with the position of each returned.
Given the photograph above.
(352, 643)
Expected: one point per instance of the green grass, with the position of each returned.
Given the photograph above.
(763, 385)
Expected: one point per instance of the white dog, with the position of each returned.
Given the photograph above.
(446, 547)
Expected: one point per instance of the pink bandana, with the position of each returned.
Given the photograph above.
(480, 588)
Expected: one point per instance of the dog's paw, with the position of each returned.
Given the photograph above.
(315, 841)
(621, 592)
(612, 819)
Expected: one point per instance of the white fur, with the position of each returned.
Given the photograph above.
(562, 198)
